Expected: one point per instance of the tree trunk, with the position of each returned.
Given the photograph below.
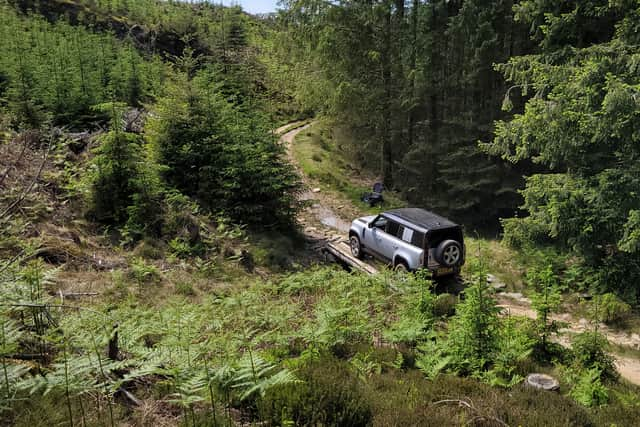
(387, 153)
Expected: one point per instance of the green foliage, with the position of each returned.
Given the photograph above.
(415, 323)
(144, 273)
(432, 358)
(185, 288)
(581, 125)
(181, 248)
(201, 360)
(12, 374)
(589, 390)
(608, 308)
(59, 71)
(515, 345)
(123, 188)
(478, 343)
(589, 352)
(409, 110)
(255, 376)
(224, 157)
(546, 300)
(473, 331)
(317, 399)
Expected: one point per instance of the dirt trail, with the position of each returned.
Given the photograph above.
(322, 222)
(628, 367)
(319, 219)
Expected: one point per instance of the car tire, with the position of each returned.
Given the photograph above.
(401, 266)
(356, 247)
(449, 253)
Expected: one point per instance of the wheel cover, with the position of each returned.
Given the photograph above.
(355, 246)
(451, 255)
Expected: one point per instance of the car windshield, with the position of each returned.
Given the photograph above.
(380, 222)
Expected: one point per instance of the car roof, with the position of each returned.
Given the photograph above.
(421, 218)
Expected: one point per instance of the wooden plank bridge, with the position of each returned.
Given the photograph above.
(341, 252)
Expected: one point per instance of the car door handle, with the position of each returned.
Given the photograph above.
(395, 247)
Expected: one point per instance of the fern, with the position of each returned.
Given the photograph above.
(432, 359)
(255, 375)
(12, 373)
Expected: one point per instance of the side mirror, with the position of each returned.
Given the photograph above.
(370, 225)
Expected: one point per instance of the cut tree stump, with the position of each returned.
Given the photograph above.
(542, 382)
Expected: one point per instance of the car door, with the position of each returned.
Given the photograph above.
(383, 238)
(374, 236)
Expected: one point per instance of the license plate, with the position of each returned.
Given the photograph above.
(442, 271)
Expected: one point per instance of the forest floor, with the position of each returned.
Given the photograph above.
(327, 216)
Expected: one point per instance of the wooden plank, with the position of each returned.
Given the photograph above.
(342, 252)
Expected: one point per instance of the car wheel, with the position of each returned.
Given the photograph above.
(401, 267)
(449, 253)
(356, 247)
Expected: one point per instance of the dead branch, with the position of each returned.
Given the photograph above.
(129, 397)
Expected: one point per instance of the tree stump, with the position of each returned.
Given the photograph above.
(542, 382)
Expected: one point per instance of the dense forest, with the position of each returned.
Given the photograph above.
(155, 263)
(547, 88)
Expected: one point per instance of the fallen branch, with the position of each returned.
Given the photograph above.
(129, 397)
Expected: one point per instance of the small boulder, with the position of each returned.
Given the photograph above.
(498, 286)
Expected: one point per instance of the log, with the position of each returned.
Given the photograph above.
(129, 397)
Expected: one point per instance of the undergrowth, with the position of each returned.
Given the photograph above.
(322, 346)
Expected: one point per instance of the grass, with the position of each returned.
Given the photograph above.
(317, 152)
(500, 260)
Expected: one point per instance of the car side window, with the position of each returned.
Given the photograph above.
(418, 239)
(392, 228)
(407, 235)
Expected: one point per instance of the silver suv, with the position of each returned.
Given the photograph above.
(410, 239)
